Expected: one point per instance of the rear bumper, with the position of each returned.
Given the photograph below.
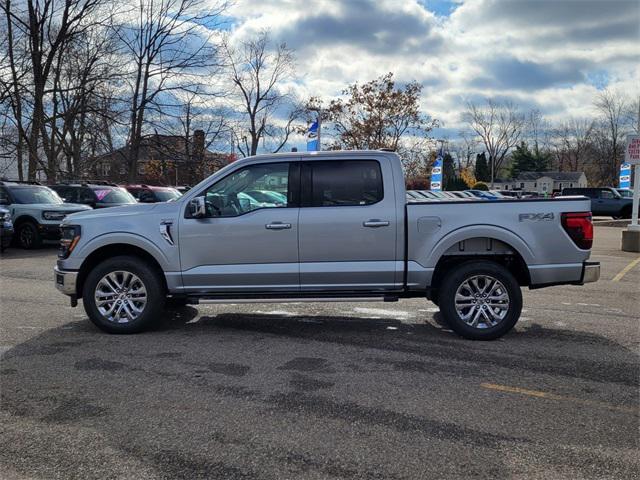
(65, 281)
(564, 274)
(590, 272)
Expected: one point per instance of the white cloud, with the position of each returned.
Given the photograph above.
(547, 54)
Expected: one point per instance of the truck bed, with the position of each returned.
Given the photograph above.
(528, 228)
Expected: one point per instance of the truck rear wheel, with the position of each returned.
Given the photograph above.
(480, 300)
(123, 295)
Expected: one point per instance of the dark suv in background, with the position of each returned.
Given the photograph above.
(93, 193)
(152, 194)
(605, 201)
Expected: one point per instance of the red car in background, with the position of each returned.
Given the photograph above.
(152, 194)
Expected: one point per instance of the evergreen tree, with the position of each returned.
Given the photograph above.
(455, 184)
(448, 168)
(524, 160)
(483, 173)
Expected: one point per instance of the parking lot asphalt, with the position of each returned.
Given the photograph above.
(297, 391)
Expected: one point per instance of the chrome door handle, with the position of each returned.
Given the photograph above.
(277, 226)
(375, 223)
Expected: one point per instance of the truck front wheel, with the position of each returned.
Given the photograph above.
(123, 295)
(480, 300)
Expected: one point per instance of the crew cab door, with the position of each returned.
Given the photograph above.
(244, 245)
(607, 202)
(348, 225)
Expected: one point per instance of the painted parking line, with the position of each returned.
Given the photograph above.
(553, 396)
(625, 270)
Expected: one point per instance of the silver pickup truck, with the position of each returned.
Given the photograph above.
(328, 226)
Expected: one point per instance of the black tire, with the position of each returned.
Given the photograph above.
(148, 277)
(478, 271)
(176, 302)
(27, 236)
(626, 213)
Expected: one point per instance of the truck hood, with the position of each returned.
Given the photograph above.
(126, 210)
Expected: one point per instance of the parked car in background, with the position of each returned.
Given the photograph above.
(486, 195)
(465, 194)
(94, 194)
(418, 195)
(152, 194)
(625, 192)
(6, 229)
(36, 212)
(605, 201)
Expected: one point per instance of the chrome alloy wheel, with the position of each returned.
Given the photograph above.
(482, 301)
(120, 296)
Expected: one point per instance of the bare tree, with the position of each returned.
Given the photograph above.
(572, 144)
(613, 108)
(171, 48)
(257, 73)
(38, 32)
(499, 126)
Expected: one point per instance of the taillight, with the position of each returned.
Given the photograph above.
(579, 227)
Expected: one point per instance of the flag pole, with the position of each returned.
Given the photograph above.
(319, 128)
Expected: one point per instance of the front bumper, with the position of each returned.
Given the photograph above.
(591, 272)
(49, 231)
(6, 234)
(65, 281)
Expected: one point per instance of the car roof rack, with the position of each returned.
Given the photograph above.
(5, 181)
(85, 182)
(384, 149)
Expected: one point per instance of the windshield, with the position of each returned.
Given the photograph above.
(167, 195)
(114, 195)
(34, 194)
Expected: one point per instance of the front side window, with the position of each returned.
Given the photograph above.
(236, 194)
(606, 194)
(345, 183)
(167, 195)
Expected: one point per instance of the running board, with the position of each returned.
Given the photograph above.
(213, 300)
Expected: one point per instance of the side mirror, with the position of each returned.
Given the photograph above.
(197, 207)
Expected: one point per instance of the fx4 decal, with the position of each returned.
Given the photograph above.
(536, 217)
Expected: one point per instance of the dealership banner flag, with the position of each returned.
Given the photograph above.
(312, 138)
(625, 175)
(436, 173)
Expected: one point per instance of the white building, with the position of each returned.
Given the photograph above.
(543, 182)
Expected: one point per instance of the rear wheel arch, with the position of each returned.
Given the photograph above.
(116, 250)
(508, 257)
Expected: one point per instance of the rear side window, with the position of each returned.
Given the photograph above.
(608, 194)
(344, 183)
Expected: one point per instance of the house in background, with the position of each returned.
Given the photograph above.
(163, 159)
(543, 182)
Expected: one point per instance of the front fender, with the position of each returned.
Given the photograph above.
(166, 262)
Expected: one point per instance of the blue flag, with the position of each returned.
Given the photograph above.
(436, 173)
(625, 175)
(312, 138)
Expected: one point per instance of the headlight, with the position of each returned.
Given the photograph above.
(69, 237)
(54, 215)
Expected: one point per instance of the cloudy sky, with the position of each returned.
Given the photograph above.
(553, 55)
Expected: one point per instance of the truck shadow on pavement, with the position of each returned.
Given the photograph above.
(214, 390)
